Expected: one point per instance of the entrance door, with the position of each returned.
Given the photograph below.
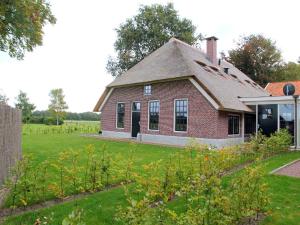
(135, 118)
(268, 119)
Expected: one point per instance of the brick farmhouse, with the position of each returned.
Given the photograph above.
(179, 93)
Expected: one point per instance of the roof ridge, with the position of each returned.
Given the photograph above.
(173, 39)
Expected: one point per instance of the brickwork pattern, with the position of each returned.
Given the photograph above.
(204, 121)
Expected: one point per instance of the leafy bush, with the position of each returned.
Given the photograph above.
(195, 177)
(32, 184)
(278, 142)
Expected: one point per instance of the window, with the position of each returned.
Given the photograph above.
(250, 123)
(153, 115)
(287, 117)
(233, 124)
(181, 114)
(120, 115)
(136, 107)
(147, 89)
(267, 113)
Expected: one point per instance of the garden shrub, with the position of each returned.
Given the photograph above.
(193, 175)
(278, 142)
(196, 178)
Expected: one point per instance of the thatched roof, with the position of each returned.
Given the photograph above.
(176, 60)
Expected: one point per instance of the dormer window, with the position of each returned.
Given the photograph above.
(226, 70)
(147, 89)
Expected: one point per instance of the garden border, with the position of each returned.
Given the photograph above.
(286, 165)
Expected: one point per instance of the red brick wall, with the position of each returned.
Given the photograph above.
(203, 120)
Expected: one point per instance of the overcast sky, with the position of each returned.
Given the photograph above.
(75, 50)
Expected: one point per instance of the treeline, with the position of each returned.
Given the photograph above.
(54, 115)
(45, 117)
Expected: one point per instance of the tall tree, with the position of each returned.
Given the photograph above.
(256, 56)
(3, 99)
(22, 103)
(21, 25)
(57, 106)
(287, 72)
(152, 27)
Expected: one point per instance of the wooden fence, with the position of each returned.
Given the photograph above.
(10, 139)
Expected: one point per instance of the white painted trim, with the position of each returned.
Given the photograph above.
(149, 114)
(278, 117)
(256, 119)
(204, 93)
(120, 128)
(105, 99)
(267, 86)
(239, 134)
(174, 115)
(243, 126)
(266, 100)
(269, 102)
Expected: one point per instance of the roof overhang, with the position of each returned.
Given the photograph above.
(209, 98)
(103, 99)
(267, 100)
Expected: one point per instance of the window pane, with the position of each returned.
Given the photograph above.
(286, 115)
(181, 114)
(136, 106)
(120, 115)
(147, 90)
(153, 115)
(233, 124)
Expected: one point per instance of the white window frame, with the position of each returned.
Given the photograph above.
(234, 135)
(174, 115)
(146, 94)
(149, 115)
(117, 115)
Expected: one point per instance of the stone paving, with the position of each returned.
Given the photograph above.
(292, 170)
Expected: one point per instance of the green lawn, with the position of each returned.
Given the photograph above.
(100, 208)
(49, 146)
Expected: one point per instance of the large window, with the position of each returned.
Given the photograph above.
(153, 115)
(286, 113)
(250, 123)
(120, 115)
(181, 114)
(233, 124)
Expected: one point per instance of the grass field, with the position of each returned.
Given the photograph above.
(99, 208)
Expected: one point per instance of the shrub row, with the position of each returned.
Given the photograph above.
(67, 128)
(68, 174)
(195, 178)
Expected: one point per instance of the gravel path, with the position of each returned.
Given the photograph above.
(292, 170)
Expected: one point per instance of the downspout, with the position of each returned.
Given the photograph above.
(296, 121)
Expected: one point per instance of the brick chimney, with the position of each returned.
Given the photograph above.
(211, 49)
